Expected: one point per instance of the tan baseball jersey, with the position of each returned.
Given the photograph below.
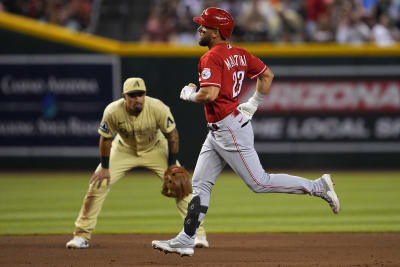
(141, 132)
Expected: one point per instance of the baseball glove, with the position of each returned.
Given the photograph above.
(176, 182)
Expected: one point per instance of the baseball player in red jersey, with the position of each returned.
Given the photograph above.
(230, 139)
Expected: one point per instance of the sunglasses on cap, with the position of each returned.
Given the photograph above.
(135, 94)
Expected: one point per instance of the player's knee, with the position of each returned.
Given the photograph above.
(261, 185)
(192, 221)
(95, 189)
(256, 188)
(259, 189)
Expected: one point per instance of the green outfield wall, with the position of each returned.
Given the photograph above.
(330, 106)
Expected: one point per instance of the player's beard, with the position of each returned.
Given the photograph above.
(205, 41)
(136, 109)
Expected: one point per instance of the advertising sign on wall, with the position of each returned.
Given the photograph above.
(312, 112)
(51, 105)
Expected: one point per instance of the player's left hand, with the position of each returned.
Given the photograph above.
(247, 109)
(176, 182)
(99, 176)
(188, 92)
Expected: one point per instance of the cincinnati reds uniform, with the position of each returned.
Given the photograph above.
(139, 142)
(230, 138)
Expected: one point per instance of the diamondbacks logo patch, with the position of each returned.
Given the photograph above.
(206, 74)
(104, 127)
(169, 121)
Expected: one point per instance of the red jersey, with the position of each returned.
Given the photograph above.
(226, 66)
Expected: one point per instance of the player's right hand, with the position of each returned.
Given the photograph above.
(188, 92)
(247, 109)
(99, 176)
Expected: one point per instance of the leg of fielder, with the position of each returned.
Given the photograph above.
(120, 162)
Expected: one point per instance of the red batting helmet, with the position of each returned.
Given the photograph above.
(216, 18)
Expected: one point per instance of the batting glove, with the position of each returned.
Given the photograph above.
(247, 109)
(188, 93)
(250, 107)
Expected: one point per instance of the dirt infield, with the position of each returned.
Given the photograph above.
(332, 249)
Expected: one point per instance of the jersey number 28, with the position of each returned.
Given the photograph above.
(238, 77)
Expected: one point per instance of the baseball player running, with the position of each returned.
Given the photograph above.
(139, 122)
(230, 138)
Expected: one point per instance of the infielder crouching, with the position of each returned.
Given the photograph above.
(138, 123)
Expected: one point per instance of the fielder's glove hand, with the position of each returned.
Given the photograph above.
(247, 109)
(176, 182)
(188, 92)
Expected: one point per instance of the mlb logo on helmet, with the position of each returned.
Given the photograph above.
(134, 85)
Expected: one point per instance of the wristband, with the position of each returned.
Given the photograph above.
(256, 99)
(105, 162)
(172, 159)
(192, 97)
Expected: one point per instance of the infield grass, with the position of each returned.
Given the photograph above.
(48, 203)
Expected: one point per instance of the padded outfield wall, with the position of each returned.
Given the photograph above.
(329, 107)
